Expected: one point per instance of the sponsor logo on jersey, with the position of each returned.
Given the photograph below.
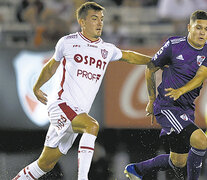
(184, 117)
(104, 53)
(76, 45)
(200, 60)
(158, 53)
(91, 45)
(161, 50)
(180, 57)
(88, 75)
(166, 44)
(90, 61)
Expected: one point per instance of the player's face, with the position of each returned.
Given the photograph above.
(197, 35)
(92, 25)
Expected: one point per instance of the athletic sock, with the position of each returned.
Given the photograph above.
(160, 162)
(31, 172)
(194, 163)
(85, 154)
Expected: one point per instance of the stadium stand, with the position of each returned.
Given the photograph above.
(140, 26)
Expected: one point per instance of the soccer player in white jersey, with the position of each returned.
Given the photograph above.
(83, 57)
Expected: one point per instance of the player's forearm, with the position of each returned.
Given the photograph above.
(44, 76)
(199, 78)
(151, 84)
(192, 84)
(135, 57)
(47, 72)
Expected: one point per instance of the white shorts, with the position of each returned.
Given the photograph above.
(60, 133)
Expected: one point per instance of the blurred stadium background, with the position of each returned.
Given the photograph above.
(29, 30)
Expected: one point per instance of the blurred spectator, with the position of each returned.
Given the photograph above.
(50, 20)
(50, 32)
(64, 9)
(30, 11)
(20, 9)
(57, 20)
(32, 14)
(177, 11)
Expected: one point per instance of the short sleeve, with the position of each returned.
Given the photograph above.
(117, 54)
(163, 56)
(58, 55)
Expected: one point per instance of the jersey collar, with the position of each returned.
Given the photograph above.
(88, 40)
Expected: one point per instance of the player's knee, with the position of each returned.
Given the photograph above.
(198, 139)
(179, 161)
(45, 165)
(96, 126)
(93, 128)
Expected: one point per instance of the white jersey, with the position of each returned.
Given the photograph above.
(84, 63)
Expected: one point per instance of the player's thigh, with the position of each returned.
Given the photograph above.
(49, 156)
(83, 123)
(198, 139)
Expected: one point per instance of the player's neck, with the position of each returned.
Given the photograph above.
(91, 38)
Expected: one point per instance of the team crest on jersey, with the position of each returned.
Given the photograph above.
(104, 53)
(184, 117)
(200, 60)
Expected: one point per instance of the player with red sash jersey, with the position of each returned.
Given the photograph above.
(83, 58)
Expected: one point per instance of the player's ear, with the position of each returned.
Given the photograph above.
(81, 22)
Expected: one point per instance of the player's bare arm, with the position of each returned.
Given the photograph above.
(151, 88)
(47, 72)
(199, 78)
(133, 57)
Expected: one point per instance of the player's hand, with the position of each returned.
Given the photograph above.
(150, 112)
(41, 96)
(173, 93)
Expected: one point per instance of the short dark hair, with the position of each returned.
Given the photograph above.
(82, 11)
(199, 14)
